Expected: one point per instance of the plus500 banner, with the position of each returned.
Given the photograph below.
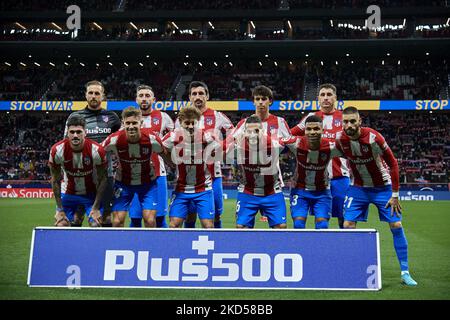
(164, 258)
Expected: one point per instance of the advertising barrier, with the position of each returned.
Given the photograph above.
(205, 259)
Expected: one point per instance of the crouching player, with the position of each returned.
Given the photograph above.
(83, 163)
(189, 147)
(375, 180)
(260, 188)
(312, 186)
(133, 147)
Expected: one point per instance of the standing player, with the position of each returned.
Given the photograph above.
(272, 125)
(133, 147)
(338, 168)
(84, 166)
(99, 124)
(218, 124)
(312, 188)
(160, 123)
(188, 146)
(375, 180)
(260, 188)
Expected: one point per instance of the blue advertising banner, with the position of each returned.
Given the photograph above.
(278, 105)
(196, 258)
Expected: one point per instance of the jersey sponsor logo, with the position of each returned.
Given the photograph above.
(361, 161)
(329, 135)
(208, 265)
(312, 167)
(417, 197)
(98, 130)
(79, 173)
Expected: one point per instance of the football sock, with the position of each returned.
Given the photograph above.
(299, 224)
(322, 224)
(401, 247)
(218, 224)
(136, 223)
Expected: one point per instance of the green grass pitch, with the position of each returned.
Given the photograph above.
(426, 226)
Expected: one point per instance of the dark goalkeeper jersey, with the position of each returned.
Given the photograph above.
(99, 123)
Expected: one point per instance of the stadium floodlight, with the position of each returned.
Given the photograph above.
(20, 26)
(30, 56)
(289, 24)
(321, 63)
(427, 53)
(253, 25)
(141, 64)
(260, 63)
(226, 56)
(147, 56)
(56, 26)
(209, 22)
(187, 56)
(37, 64)
(97, 65)
(66, 63)
(68, 56)
(398, 62)
(336, 62)
(23, 64)
(347, 54)
(275, 63)
(215, 63)
(266, 55)
(108, 56)
(307, 55)
(8, 64)
(382, 62)
(388, 54)
(82, 64)
(230, 63)
(126, 64)
(175, 25)
(155, 63)
(133, 25)
(97, 25)
(352, 62)
(110, 64)
(331, 23)
(185, 63)
(290, 62)
(200, 64)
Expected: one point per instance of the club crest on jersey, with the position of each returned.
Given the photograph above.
(87, 161)
(208, 121)
(337, 123)
(365, 148)
(105, 118)
(155, 121)
(272, 129)
(145, 150)
(323, 156)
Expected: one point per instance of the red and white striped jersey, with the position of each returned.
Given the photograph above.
(192, 168)
(372, 162)
(332, 125)
(135, 165)
(273, 125)
(215, 121)
(160, 123)
(79, 175)
(260, 173)
(311, 173)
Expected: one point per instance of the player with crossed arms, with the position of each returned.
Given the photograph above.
(375, 180)
(83, 164)
(133, 147)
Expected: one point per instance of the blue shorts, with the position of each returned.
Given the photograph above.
(123, 195)
(71, 202)
(135, 210)
(318, 203)
(339, 187)
(202, 203)
(356, 207)
(218, 197)
(248, 205)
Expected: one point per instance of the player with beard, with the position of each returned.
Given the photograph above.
(160, 124)
(338, 167)
(99, 124)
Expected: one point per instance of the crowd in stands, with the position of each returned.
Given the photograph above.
(419, 140)
(355, 79)
(152, 5)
